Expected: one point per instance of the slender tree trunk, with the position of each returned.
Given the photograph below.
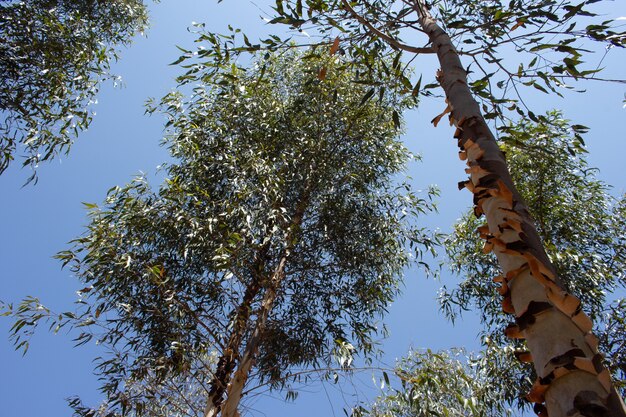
(221, 383)
(571, 378)
(235, 388)
(226, 363)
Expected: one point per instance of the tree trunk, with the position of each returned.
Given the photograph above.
(226, 363)
(223, 383)
(571, 378)
(235, 388)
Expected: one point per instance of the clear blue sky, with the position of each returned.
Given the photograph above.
(37, 221)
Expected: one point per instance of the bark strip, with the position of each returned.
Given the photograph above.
(572, 380)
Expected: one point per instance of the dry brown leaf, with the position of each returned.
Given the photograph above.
(335, 46)
(322, 74)
(436, 120)
(518, 24)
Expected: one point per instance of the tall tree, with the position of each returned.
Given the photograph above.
(277, 240)
(53, 56)
(571, 379)
(548, 163)
(581, 223)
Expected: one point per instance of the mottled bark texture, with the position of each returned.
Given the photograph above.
(571, 378)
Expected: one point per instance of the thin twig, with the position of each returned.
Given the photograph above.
(391, 41)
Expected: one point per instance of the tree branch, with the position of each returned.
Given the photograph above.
(377, 33)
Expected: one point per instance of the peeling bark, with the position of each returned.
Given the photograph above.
(571, 378)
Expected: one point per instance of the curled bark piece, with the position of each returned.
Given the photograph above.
(462, 155)
(583, 322)
(537, 392)
(507, 305)
(511, 224)
(483, 231)
(466, 184)
(488, 181)
(513, 331)
(565, 302)
(593, 341)
(468, 144)
(527, 317)
(505, 193)
(605, 379)
(567, 359)
(523, 356)
(476, 170)
(586, 364)
(515, 272)
(504, 288)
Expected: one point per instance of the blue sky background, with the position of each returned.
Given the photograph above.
(38, 221)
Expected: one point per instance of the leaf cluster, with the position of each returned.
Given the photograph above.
(452, 384)
(53, 56)
(551, 41)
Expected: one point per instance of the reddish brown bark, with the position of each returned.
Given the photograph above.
(571, 378)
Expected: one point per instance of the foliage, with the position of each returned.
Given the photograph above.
(581, 224)
(53, 56)
(452, 384)
(509, 47)
(165, 271)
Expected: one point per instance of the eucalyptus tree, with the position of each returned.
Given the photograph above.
(276, 241)
(550, 38)
(584, 228)
(53, 56)
(580, 222)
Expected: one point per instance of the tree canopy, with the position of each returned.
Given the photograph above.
(280, 216)
(54, 54)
